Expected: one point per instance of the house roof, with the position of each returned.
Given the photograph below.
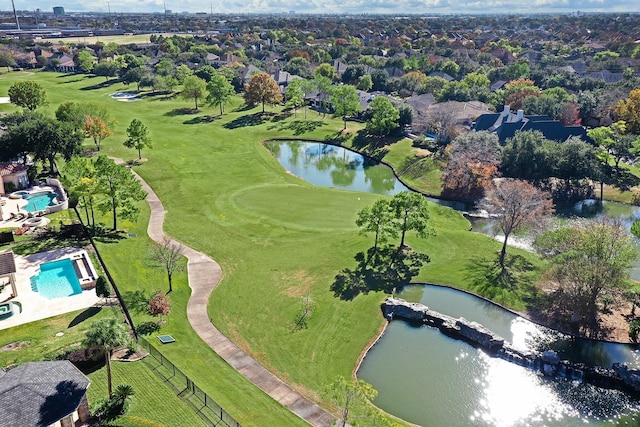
(7, 263)
(40, 393)
(506, 124)
(12, 168)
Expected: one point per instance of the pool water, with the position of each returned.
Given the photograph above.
(39, 202)
(56, 279)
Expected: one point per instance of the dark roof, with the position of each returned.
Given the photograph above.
(40, 393)
(507, 126)
(7, 264)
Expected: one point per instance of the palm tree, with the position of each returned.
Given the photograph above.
(107, 334)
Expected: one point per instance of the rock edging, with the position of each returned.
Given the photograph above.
(619, 377)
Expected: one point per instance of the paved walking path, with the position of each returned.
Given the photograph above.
(204, 275)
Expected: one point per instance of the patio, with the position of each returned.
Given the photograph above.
(34, 305)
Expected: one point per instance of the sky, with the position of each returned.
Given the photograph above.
(335, 6)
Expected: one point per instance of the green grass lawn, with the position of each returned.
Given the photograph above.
(276, 237)
(153, 399)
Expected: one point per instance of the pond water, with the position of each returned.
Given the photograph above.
(430, 379)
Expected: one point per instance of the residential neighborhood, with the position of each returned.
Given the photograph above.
(283, 219)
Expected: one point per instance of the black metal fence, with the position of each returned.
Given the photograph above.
(205, 406)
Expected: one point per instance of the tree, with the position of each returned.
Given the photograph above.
(7, 59)
(167, 255)
(589, 262)
(365, 83)
(206, 72)
(134, 75)
(345, 101)
(106, 69)
(28, 94)
(615, 141)
(352, 398)
(220, 91)
(516, 204)
(298, 66)
(295, 94)
(194, 88)
(159, 305)
(182, 72)
(326, 70)
(137, 137)
(527, 156)
(262, 89)
(410, 213)
(71, 112)
(473, 163)
(84, 61)
(107, 334)
(629, 110)
(97, 129)
(384, 117)
(120, 188)
(80, 180)
(377, 219)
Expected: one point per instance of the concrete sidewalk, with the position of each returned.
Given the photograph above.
(204, 275)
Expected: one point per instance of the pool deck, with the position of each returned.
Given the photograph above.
(35, 306)
(16, 206)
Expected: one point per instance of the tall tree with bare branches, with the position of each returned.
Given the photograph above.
(516, 204)
(167, 255)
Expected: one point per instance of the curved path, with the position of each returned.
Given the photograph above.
(204, 275)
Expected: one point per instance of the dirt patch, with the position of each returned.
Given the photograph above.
(297, 284)
(126, 355)
(15, 345)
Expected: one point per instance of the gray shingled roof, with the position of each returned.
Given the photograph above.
(40, 393)
(7, 264)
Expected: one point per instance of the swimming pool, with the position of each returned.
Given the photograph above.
(39, 201)
(56, 279)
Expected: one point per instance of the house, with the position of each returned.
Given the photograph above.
(497, 85)
(505, 124)
(441, 74)
(64, 63)
(43, 394)
(13, 175)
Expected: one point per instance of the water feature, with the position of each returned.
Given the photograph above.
(430, 379)
(427, 378)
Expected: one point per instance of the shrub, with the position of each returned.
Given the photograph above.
(117, 405)
(635, 198)
(635, 228)
(103, 289)
(159, 304)
(147, 328)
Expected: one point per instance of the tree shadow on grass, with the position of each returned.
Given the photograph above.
(101, 85)
(384, 269)
(201, 119)
(254, 119)
(299, 127)
(137, 301)
(180, 112)
(486, 277)
(104, 235)
(88, 313)
(244, 108)
(278, 117)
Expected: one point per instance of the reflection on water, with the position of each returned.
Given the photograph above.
(430, 379)
(330, 166)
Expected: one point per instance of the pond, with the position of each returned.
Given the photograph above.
(430, 379)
